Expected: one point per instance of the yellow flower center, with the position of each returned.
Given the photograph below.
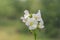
(36, 17)
(31, 23)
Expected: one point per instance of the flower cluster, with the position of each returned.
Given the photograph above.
(33, 21)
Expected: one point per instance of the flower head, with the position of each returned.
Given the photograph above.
(33, 20)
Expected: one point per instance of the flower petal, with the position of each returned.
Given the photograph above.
(41, 25)
(39, 13)
(32, 27)
(26, 12)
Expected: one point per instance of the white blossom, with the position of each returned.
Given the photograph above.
(26, 16)
(37, 16)
(41, 26)
(23, 19)
(31, 23)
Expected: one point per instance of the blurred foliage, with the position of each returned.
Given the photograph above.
(12, 10)
(51, 12)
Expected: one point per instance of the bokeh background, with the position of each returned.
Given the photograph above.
(12, 28)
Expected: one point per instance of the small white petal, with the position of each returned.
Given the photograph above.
(41, 25)
(22, 18)
(26, 12)
(41, 21)
(24, 21)
(26, 16)
(27, 23)
(39, 13)
(32, 27)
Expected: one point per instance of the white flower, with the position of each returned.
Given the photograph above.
(37, 16)
(33, 20)
(31, 23)
(23, 19)
(41, 26)
(26, 16)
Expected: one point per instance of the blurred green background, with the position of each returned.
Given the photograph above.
(12, 28)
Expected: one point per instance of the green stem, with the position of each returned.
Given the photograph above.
(35, 35)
